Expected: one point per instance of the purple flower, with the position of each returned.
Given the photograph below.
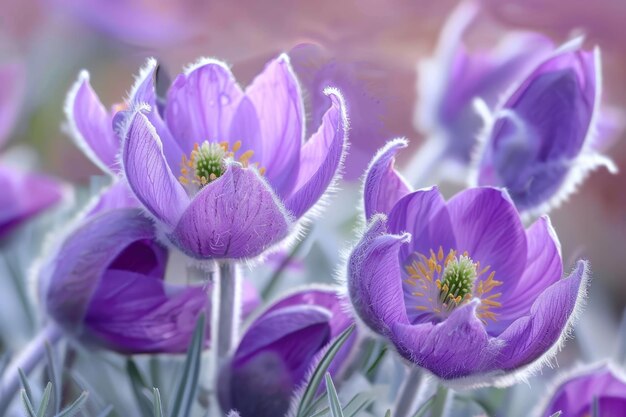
(541, 142)
(23, 194)
(105, 284)
(459, 287)
(280, 348)
(224, 171)
(576, 396)
(451, 80)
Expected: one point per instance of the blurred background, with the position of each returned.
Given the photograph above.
(369, 48)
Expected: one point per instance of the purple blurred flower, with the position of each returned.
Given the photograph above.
(105, 284)
(453, 78)
(224, 171)
(280, 348)
(23, 194)
(459, 287)
(576, 396)
(541, 143)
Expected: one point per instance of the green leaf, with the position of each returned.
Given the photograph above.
(55, 377)
(45, 400)
(376, 362)
(25, 384)
(333, 400)
(139, 386)
(186, 392)
(304, 408)
(428, 404)
(75, 407)
(388, 413)
(357, 403)
(28, 406)
(158, 408)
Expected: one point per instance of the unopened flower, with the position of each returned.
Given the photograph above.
(279, 349)
(601, 386)
(459, 287)
(105, 285)
(454, 77)
(542, 141)
(225, 172)
(23, 194)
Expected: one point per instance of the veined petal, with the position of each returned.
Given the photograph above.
(487, 226)
(321, 158)
(91, 125)
(148, 174)
(276, 96)
(235, 216)
(543, 268)
(375, 278)
(201, 104)
(384, 186)
(455, 348)
(532, 336)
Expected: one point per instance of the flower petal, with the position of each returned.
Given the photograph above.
(276, 96)
(384, 186)
(201, 104)
(321, 158)
(117, 196)
(487, 226)
(543, 268)
(68, 279)
(91, 125)
(455, 348)
(23, 196)
(424, 215)
(375, 277)
(148, 174)
(532, 336)
(235, 216)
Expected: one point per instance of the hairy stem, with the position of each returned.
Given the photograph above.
(405, 403)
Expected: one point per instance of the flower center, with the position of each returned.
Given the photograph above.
(442, 283)
(206, 163)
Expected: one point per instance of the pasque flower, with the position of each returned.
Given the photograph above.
(225, 172)
(542, 141)
(105, 284)
(459, 287)
(23, 194)
(600, 385)
(278, 350)
(454, 77)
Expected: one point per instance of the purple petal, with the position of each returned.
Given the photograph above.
(69, 278)
(148, 174)
(116, 196)
(424, 215)
(375, 278)
(532, 336)
(276, 96)
(455, 348)
(487, 226)
(543, 268)
(91, 125)
(201, 104)
(143, 92)
(235, 216)
(384, 186)
(321, 158)
(13, 81)
(23, 196)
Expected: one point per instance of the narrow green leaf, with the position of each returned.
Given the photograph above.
(28, 406)
(25, 384)
(45, 400)
(322, 367)
(75, 407)
(376, 362)
(55, 376)
(388, 413)
(186, 392)
(333, 399)
(357, 403)
(158, 408)
(428, 404)
(139, 386)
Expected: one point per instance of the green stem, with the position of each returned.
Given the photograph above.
(443, 399)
